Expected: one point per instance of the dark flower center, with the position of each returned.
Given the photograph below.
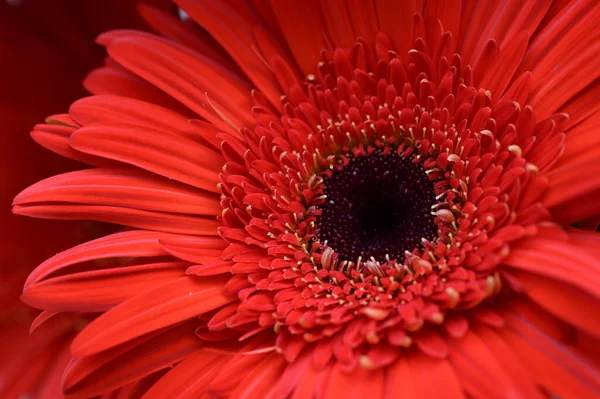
(377, 206)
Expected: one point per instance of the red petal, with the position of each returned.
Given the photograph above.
(304, 29)
(40, 319)
(120, 82)
(555, 30)
(290, 378)
(396, 19)
(173, 28)
(564, 301)
(504, 14)
(129, 244)
(160, 221)
(399, 382)
(583, 105)
(358, 383)
(234, 33)
(556, 81)
(431, 343)
(429, 374)
(558, 369)
(185, 75)
(557, 259)
(338, 24)
(581, 140)
(261, 378)
(130, 111)
(235, 369)
(190, 378)
(363, 19)
(56, 139)
(101, 373)
(130, 188)
(500, 73)
(100, 290)
(448, 13)
(160, 152)
(509, 360)
(478, 368)
(162, 306)
(194, 249)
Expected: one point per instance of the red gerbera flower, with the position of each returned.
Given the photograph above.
(392, 183)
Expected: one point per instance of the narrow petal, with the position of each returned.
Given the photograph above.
(562, 300)
(582, 177)
(558, 259)
(150, 220)
(581, 140)
(554, 366)
(120, 82)
(290, 378)
(555, 30)
(194, 249)
(94, 375)
(100, 290)
(358, 383)
(509, 360)
(130, 188)
(447, 12)
(500, 73)
(129, 244)
(430, 374)
(118, 109)
(338, 24)
(234, 33)
(364, 20)
(160, 307)
(305, 17)
(474, 363)
(552, 75)
(173, 28)
(396, 18)
(186, 76)
(584, 105)
(190, 378)
(504, 14)
(56, 139)
(260, 379)
(167, 154)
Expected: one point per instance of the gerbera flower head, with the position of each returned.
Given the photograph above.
(388, 181)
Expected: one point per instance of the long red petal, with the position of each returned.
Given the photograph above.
(104, 372)
(164, 153)
(118, 109)
(562, 300)
(234, 33)
(185, 75)
(159, 221)
(162, 306)
(100, 290)
(129, 244)
(558, 259)
(56, 139)
(119, 81)
(125, 187)
(194, 249)
(307, 19)
(553, 365)
(358, 383)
